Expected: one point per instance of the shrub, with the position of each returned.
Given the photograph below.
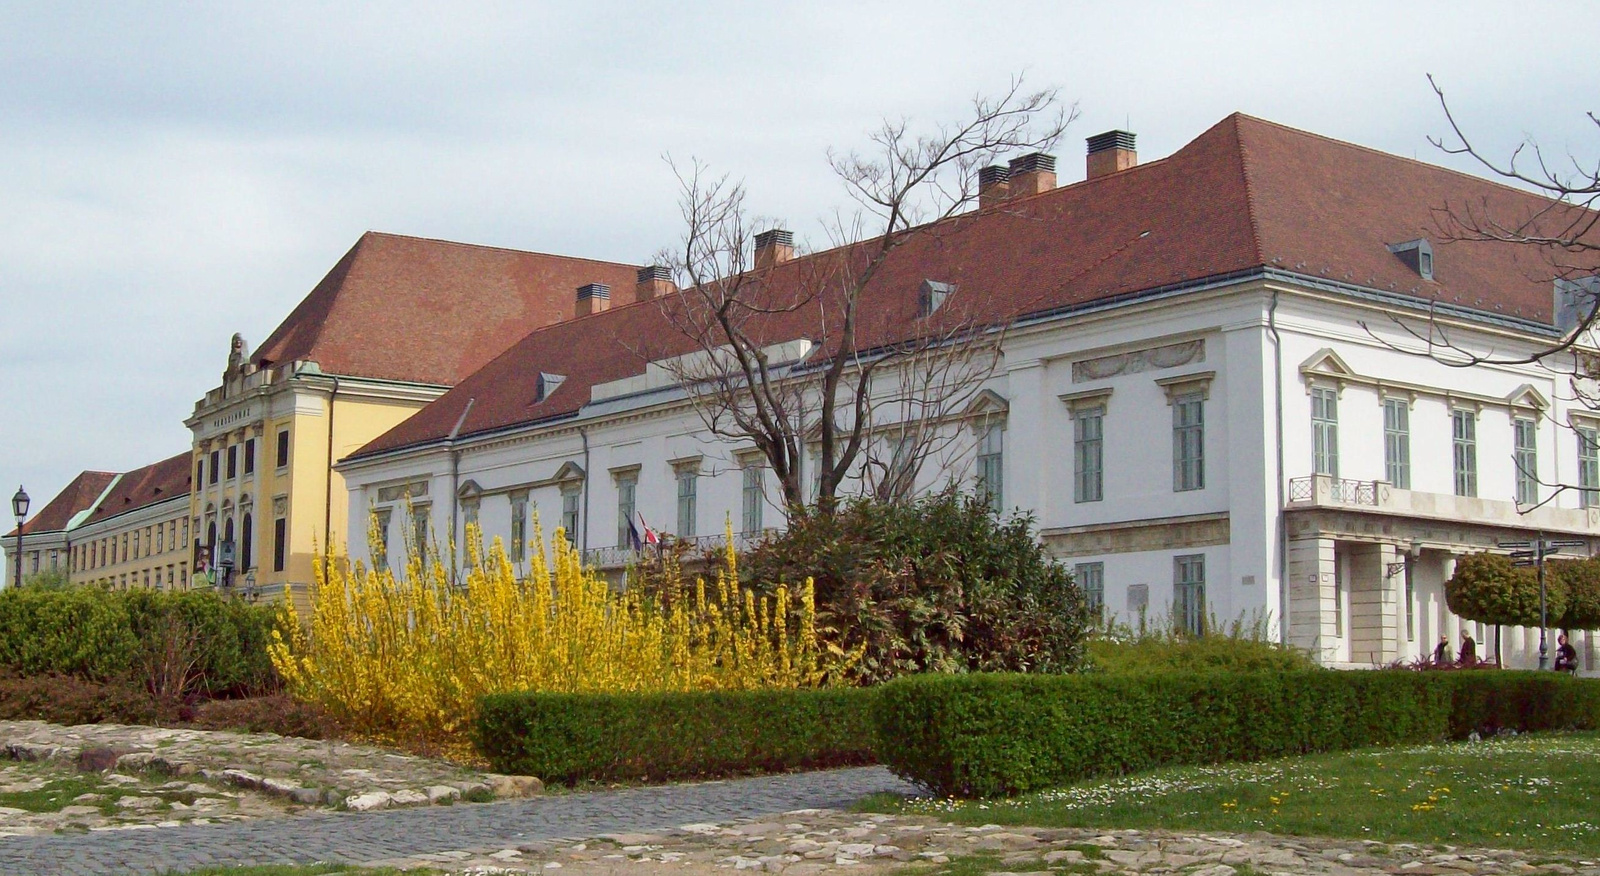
(174, 644)
(273, 713)
(1581, 579)
(985, 735)
(941, 584)
(576, 737)
(408, 658)
(1236, 647)
(65, 699)
(1489, 589)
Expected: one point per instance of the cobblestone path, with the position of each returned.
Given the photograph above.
(404, 833)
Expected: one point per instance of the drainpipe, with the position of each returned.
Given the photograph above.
(455, 478)
(583, 539)
(1283, 531)
(327, 495)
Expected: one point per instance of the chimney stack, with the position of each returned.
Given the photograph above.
(993, 185)
(593, 298)
(654, 280)
(774, 248)
(1110, 153)
(1031, 174)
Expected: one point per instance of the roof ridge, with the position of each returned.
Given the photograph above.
(1249, 184)
(439, 240)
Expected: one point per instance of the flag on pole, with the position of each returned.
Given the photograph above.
(650, 536)
(633, 536)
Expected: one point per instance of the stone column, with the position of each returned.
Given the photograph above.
(1312, 577)
(1372, 605)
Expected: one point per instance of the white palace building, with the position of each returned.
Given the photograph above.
(1211, 398)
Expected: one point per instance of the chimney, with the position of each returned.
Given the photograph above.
(993, 185)
(774, 247)
(1110, 153)
(593, 298)
(1032, 174)
(654, 280)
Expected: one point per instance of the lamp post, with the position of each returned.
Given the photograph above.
(19, 507)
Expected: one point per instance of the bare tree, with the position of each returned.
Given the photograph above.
(796, 355)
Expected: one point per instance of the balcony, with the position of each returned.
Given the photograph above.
(621, 556)
(1379, 497)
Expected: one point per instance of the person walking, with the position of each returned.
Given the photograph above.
(1441, 654)
(1469, 650)
(1566, 655)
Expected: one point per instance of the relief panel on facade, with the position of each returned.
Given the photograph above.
(1135, 361)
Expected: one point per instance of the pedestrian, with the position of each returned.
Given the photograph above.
(1441, 654)
(1469, 650)
(1566, 655)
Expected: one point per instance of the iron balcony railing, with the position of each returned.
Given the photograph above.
(1340, 491)
(622, 555)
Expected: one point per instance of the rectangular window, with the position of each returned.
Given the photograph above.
(627, 504)
(519, 529)
(1325, 431)
(1588, 467)
(1464, 451)
(136, 544)
(1189, 593)
(283, 449)
(161, 538)
(1411, 605)
(280, 543)
(233, 461)
(752, 497)
(419, 531)
(688, 477)
(991, 465)
(1525, 438)
(569, 513)
(249, 456)
(216, 465)
(1397, 442)
(200, 470)
(471, 533)
(1091, 578)
(1088, 455)
(1188, 442)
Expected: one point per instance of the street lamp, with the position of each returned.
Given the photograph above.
(19, 507)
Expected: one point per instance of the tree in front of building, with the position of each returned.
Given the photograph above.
(1488, 589)
(794, 359)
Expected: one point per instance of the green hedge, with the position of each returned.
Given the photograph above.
(576, 737)
(986, 735)
(138, 636)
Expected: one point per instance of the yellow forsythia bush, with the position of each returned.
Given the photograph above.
(406, 658)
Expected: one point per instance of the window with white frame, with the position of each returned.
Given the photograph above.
(1325, 430)
(1525, 452)
(1588, 467)
(991, 464)
(688, 478)
(752, 495)
(1091, 579)
(1189, 593)
(419, 530)
(380, 538)
(1188, 442)
(519, 528)
(627, 503)
(569, 512)
(1397, 442)
(1464, 450)
(1088, 454)
(472, 536)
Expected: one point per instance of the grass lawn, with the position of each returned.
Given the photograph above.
(1535, 791)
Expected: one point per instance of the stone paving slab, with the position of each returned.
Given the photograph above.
(406, 833)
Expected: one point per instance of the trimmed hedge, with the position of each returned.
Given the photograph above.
(576, 737)
(987, 735)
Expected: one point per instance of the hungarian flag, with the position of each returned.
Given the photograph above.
(650, 536)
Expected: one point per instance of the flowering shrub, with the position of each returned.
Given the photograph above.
(408, 657)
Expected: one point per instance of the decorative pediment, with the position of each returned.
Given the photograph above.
(988, 403)
(1187, 384)
(569, 471)
(469, 489)
(1088, 399)
(1327, 366)
(1528, 396)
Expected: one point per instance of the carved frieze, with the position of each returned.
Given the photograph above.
(1135, 361)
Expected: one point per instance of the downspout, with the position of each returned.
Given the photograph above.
(455, 485)
(1283, 531)
(583, 537)
(327, 494)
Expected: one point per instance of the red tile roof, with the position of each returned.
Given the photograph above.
(430, 311)
(76, 496)
(1245, 195)
(153, 483)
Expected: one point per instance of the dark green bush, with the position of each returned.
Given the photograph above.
(1488, 588)
(941, 584)
(1193, 654)
(577, 737)
(985, 735)
(174, 645)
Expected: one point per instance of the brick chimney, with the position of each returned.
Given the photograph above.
(993, 185)
(593, 298)
(1110, 153)
(774, 247)
(1032, 174)
(654, 280)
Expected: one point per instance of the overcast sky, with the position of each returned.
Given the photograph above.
(171, 174)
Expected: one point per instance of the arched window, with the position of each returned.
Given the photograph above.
(247, 539)
(211, 536)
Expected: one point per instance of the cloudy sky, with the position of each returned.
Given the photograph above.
(173, 173)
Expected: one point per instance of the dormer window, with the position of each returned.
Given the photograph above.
(933, 295)
(547, 385)
(1417, 254)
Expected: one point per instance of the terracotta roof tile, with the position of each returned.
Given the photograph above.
(75, 497)
(148, 485)
(1246, 194)
(429, 311)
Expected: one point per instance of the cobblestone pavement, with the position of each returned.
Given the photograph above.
(125, 775)
(409, 833)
